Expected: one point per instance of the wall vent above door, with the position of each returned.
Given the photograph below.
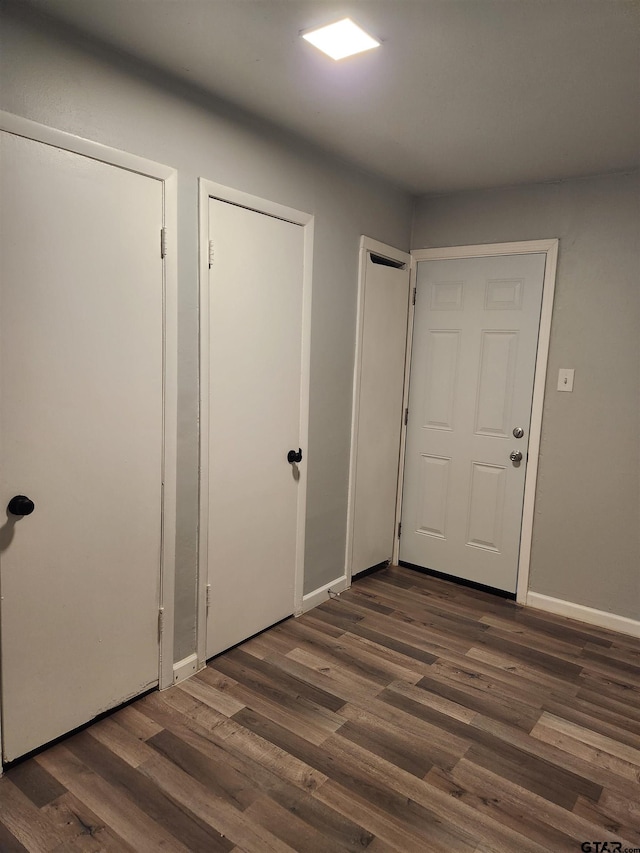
(387, 262)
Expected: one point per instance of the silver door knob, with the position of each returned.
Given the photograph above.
(515, 456)
(518, 432)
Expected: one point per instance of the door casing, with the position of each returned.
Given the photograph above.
(210, 189)
(28, 129)
(550, 249)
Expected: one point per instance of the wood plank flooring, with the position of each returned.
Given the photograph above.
(407, 715)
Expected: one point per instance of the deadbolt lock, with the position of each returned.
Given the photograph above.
(518, 432)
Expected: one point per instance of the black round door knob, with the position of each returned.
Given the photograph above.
(20, 505)
(292, 456)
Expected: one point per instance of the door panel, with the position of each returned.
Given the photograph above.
(496, 383)
(486, 506)
(433, 491)
(81, 435)
(441, 376)
(375, 483)
(472, 369)
(255, 345)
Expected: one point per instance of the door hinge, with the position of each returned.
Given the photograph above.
(208, 596)
(399, 529)
(415, 293)
(406, 416)
(161, 621)
(163, 242)
(211, 252)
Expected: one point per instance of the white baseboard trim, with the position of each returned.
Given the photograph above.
(185, 668)
(313, 599)
(600, 618)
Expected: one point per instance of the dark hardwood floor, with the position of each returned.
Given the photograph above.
(408, 715)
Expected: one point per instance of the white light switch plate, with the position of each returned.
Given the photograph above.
(565, 379)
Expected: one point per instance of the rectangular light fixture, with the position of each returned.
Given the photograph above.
(344, 38)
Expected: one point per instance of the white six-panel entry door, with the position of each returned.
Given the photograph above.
(473, 361)
(254, 406)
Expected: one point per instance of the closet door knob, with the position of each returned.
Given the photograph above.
(20, 505)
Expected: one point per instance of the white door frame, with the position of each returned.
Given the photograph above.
(550, 249)
(367, 244)
(28, 129)
(211, 189)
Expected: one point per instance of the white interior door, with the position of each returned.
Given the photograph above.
(378, 410)
(254, 415)
(472, 369)
(80, 435)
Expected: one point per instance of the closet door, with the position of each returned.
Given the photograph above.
(81, 438)
(254, 400)
(379, 386)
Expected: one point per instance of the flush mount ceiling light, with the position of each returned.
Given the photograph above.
(344, 38)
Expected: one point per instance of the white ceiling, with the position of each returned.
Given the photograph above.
(462, 93)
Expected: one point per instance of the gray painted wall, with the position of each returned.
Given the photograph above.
(51, 75)
(586, 537)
